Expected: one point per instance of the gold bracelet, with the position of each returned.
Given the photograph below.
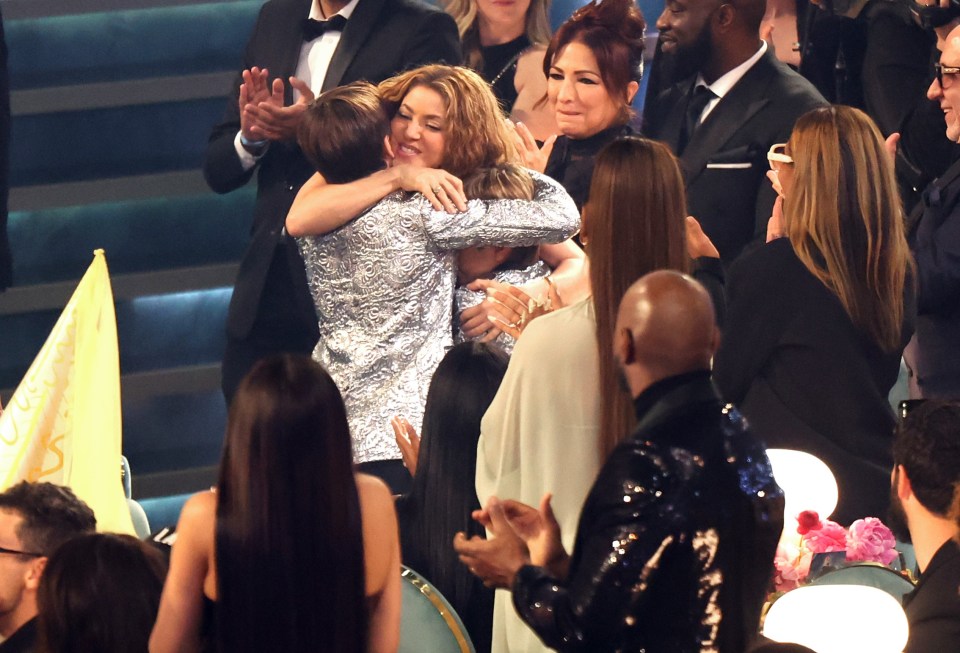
(552, 286)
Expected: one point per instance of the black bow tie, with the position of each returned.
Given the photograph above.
(314, 29)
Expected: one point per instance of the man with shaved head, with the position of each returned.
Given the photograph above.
(676, 540)
(722, 120)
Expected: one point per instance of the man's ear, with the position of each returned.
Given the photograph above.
(387, 149)
(34, 572)
(623, 347)
(725, 16)
(501, 254)
(904, 488)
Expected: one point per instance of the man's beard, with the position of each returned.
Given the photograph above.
(896, 516)
(689, 59)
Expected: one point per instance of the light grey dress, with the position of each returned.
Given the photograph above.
(383, 288)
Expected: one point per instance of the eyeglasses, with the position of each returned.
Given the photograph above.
(776, 156)
(28, 554)
(942, 70)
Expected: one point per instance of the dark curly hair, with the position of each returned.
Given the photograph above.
(52, 514)
(927, 446)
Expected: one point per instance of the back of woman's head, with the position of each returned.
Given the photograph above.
(634, 220)
(287, 504)
(844, 218)
(473, 127)
(613, 30)
(443, 494)
(99, 592)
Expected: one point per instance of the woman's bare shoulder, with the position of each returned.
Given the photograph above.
(373, 492)
(531, 62)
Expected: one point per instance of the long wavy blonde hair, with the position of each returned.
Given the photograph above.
(473, 127)
(464, 12)
(844, 218)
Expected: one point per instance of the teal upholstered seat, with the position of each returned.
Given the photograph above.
(109, 46)
(869, 574)
(428, 623)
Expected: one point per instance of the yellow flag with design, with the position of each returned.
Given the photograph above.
(63, 423)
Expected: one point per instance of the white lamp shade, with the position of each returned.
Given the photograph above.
(807, 483)
(838, 619)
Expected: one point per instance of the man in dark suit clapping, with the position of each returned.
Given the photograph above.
(299, 47)
(723, 119)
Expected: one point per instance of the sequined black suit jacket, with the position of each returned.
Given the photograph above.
(676, 540)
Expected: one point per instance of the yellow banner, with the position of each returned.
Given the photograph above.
(63, 424)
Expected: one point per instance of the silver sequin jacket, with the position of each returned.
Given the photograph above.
(383, 288)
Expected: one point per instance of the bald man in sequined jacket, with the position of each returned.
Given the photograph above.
(675, 545)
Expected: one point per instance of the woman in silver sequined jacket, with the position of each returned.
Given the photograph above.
(383, 282)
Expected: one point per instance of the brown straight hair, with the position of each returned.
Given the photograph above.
(635, 221)
(289, 539)
(844, 218)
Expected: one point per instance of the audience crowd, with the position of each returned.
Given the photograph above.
(641, 304)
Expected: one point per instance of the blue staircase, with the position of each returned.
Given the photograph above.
(112, 103)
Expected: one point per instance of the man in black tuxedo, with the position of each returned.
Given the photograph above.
(721, 121)
(271, 310)
(926, 473)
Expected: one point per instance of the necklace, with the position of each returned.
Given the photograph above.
(511, 63)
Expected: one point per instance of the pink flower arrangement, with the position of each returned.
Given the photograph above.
(830, 537)
(867, 540)
(870, 540)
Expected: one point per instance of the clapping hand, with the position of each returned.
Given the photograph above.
(408, 441)
(534, 156)
(495, 560)
(698, 243)
(263, 115)
(538, 529)
(775, 223)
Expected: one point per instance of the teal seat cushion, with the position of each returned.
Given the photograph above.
(428, 623)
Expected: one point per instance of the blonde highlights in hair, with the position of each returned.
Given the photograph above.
(845, 221)
(474, 130)
(464, 12)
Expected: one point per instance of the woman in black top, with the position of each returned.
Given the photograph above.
(443, 497)
(593, 65)
(505, 43)
(817, 320)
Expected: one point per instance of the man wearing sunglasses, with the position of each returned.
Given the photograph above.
(35, 518)
(933, 231)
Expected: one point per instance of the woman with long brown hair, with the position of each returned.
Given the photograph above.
(560, 408)
(817, 320)
(292, 551)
